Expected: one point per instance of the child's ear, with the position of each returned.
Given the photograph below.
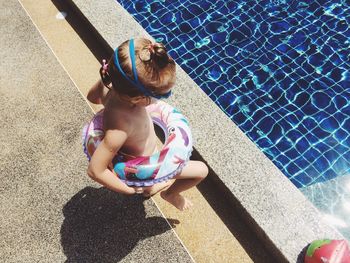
(140, 100)
(135, 100)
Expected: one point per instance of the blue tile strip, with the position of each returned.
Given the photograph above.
(278, 69)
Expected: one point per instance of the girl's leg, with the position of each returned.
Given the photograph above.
(192, 174)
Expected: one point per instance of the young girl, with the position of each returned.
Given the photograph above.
(138, 73)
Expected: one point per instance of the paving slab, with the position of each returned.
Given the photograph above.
(280, 214)
(50, 210)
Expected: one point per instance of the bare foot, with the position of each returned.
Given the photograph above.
(152, 190)
(177, 200)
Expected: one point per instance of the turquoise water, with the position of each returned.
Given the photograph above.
(278, 69)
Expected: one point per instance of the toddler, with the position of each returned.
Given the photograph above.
(138, 73)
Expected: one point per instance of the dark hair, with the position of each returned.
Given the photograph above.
(155, 68)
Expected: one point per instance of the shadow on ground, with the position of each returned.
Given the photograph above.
(233, 216)
(102, 226)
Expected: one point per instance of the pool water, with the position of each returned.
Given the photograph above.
(279, 70)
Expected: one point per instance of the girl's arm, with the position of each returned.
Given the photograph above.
(102, 157)
(97, 93)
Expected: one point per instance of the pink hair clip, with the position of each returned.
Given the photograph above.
(104, 65)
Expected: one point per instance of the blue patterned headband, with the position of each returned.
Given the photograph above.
(136, 81)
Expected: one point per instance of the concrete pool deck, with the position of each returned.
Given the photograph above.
(50, 210)
(53, 212)
(283, 218)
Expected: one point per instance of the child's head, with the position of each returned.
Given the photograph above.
(140, 68)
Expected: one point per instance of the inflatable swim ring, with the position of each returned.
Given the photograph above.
(148, 170)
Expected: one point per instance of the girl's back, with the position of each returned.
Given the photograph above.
(135, 121)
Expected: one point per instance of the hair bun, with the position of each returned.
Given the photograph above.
(159, 55)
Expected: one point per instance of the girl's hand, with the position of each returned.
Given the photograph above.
(98, 93)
